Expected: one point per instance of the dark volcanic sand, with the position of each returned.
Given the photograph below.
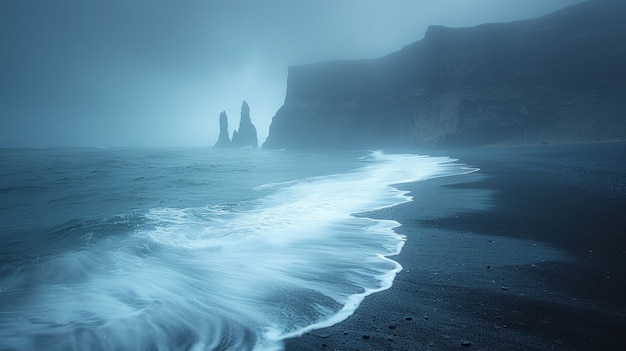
(529, 253)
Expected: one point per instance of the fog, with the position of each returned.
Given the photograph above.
(158, 73)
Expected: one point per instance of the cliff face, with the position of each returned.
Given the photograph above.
(558, 78)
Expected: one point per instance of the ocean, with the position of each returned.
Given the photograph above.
(193, 249)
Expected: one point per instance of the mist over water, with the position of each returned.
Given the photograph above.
(158, 73)
(268, 250)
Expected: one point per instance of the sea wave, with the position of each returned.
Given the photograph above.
(239, 276)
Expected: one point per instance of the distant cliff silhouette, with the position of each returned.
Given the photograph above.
(245, 136)
(558, 78)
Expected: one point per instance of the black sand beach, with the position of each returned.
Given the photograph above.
(529, 253)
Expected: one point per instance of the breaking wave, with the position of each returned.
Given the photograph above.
(232, 276)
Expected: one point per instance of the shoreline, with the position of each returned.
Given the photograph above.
(529, 253)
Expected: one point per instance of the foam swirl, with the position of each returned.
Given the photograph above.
(220, 277)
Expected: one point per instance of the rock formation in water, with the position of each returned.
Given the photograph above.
(246, 135)
(223, 140)
(557, 78)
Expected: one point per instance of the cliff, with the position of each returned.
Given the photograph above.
(558, 78)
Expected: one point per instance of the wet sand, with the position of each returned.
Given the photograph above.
(529, 253)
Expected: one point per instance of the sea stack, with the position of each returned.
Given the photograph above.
(246, 135)
(223, 140)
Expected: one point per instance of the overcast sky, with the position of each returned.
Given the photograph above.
(158, 73)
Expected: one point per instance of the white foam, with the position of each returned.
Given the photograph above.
(223, 277)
